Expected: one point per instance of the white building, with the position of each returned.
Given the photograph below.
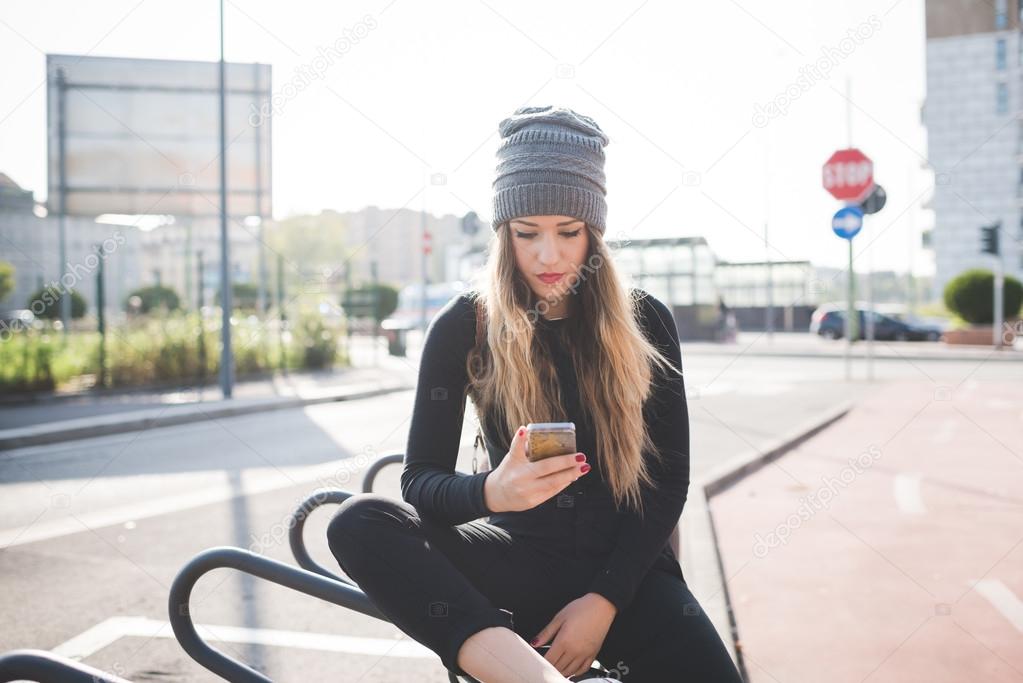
(974, 120)
(393, 239)
(134, 257)
(30, 243)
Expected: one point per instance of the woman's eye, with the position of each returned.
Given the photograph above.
(531, 235)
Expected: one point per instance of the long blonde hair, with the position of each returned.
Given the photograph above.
(512, 379)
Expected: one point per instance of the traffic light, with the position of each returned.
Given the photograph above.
(989, 239)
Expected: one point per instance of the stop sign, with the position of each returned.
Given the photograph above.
(849, 175)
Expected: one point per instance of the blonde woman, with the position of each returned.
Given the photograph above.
(573, 563)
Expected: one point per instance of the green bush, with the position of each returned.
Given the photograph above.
(45, 303)
(26, 363)
(6, 279)
(244, 296)
(356, 301)
(319, 344)
(152, 350)
(970, 295)
(153, 298)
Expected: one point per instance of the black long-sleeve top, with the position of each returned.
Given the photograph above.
(582, 515)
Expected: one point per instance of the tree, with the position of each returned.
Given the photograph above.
(970, 295)
(6, 279)
(358, 302)
(152, 298)
(312, 246)
(45, 303)
(244, 296)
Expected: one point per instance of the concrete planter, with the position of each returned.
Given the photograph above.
(979, 336)
(982, 335)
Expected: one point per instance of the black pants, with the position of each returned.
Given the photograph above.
(441, 584)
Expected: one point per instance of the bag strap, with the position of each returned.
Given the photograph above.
(479, 441)
(481, 322)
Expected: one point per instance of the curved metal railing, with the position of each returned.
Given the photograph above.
(307, 582)
(312, 579)
(46, 667)
(296, 527)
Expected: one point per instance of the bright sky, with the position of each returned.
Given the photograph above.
(675, 85)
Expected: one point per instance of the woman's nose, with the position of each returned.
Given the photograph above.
(548, 252)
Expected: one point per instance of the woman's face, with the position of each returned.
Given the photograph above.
(549, 244)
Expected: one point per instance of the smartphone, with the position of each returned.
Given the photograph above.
(547, 439)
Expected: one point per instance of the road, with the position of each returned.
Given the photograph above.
(95, 530)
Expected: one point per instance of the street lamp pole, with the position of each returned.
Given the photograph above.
(226, 360)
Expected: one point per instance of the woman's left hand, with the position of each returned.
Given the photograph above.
(578, 630)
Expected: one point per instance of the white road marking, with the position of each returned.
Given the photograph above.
(1003, 600)
(342, 473)
(99, 636)
(109, 631)
(944, 433)
(907, 494)
(253, 482)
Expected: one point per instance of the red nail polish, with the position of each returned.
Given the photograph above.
(585, 469)
(579, 457)
(534, 642)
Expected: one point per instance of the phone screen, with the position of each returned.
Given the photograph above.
(548, 439)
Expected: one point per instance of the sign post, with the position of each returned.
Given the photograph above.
(874, 202)
(847, 223)
(848, 175)
(990, 245)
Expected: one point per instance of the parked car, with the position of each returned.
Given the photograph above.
(409, 313)
(829, 322)
(21, 317)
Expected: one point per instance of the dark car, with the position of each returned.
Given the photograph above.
(830, 324)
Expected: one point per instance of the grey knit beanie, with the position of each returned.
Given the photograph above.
(551, 163)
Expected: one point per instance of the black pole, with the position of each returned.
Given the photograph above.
(65, 292)
(264, 285)
(280, 312)
(101, 320)
(376, 307)
(348, 312)
(202, 320)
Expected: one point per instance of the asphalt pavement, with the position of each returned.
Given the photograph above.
(95, 529)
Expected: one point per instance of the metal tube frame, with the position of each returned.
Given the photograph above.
(46, 667)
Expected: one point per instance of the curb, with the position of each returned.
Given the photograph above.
(704, 567)
(142, 420)
(998, 356)
(46, 397)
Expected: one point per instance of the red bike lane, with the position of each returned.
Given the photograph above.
(889, 547)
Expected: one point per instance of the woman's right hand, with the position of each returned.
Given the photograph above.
(518, 484)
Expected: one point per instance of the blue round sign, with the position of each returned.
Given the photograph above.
(847, 222)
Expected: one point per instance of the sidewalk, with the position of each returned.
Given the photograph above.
(52, 421)
(803, 344)
(887, 547)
